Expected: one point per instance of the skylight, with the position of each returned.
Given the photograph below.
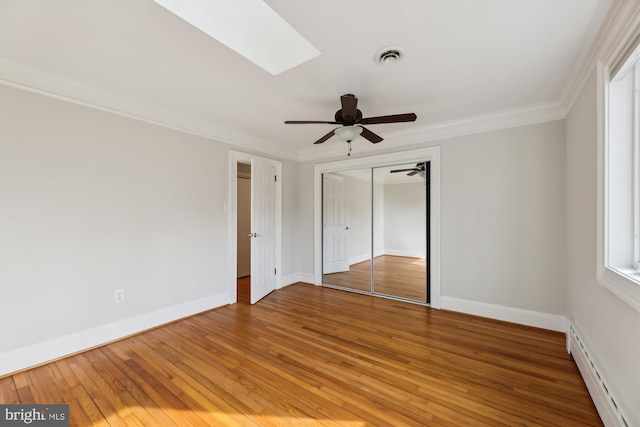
(249, 27)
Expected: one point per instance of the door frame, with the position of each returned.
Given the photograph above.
(430, 154)
(232, 208)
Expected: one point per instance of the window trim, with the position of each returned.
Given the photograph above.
(636, 169)
(624, 284)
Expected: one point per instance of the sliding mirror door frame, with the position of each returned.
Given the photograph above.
(400, 265)
(431, 155)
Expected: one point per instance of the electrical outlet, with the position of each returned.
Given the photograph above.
(119, 295)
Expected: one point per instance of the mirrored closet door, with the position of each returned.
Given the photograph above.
(375, 225)
(400, 236)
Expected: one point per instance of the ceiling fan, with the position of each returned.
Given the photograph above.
(351, 121)
(419, 169)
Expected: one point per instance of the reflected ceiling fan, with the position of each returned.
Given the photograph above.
(351, 121)
(419, 169)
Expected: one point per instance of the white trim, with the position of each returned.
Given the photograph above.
(618, 284)
(22, 77)
(431, 154)
(609, 408)
(554, 322)
(618, 25)
(232, 197)
(37, 354)
(595, 42)
(30, 79)
(492, 121)
(357, 259)
(408, 254)
(295, 278)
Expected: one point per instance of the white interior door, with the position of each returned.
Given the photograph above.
(263, 229)
(336, 228)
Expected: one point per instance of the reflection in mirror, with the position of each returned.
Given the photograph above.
(400, 231)
(346, 219)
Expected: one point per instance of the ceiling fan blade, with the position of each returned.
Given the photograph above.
(327, 136)
(349, 107)
(404, 170)
(307, 122)
(395, 118)
(367, 134)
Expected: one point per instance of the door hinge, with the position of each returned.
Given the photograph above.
(275, 178)
(275, 271)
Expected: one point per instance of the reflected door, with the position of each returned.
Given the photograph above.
(347, 229)
(336, 228)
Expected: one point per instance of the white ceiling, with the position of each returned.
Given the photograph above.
(469, 65)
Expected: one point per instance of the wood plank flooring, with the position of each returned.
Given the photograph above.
(243, 289)
(312, 356)
(397, 276)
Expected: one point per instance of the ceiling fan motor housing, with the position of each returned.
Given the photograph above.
(338, 117)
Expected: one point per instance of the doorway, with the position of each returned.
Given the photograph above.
(254, 255)
(243, 252)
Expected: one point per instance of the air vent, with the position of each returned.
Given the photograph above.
(388, 55)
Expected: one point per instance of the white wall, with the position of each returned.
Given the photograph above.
(378, 219)
(610, 327)
(405, 219)
(291, 239)
(503, 239)
(92, 202)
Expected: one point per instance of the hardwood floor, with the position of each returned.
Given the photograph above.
(398, 276)
(308, 355)
(244, 290)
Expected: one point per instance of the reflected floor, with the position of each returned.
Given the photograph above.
(403, 277)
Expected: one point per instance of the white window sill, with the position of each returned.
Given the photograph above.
(624, 283)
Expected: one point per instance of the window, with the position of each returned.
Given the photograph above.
(619, 266)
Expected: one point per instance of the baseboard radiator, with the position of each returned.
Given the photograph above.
(605, 402)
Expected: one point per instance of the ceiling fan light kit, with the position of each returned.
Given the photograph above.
(348, 133)
(351, 120)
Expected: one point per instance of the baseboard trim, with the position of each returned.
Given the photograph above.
(295, 278)
(408, 254)
(608, 406)
(37, 354)
(360, 258)
(536, 319)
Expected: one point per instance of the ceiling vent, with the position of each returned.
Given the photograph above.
(388, 55)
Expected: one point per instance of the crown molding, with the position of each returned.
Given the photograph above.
(26, 78)
(505, 119)
(615, 27)
(33, 80)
